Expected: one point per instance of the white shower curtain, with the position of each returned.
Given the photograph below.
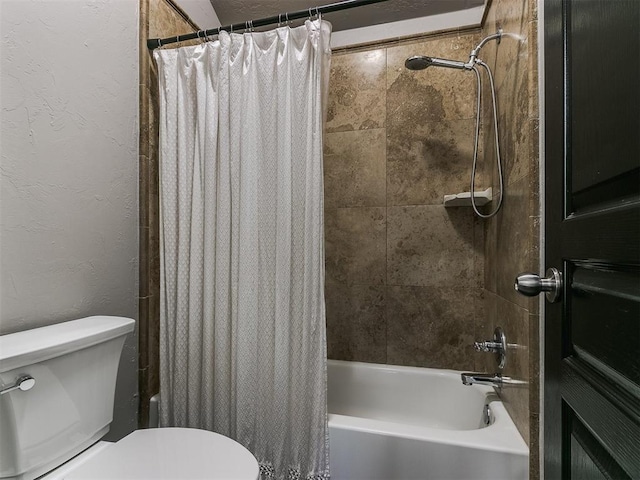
(242, 332)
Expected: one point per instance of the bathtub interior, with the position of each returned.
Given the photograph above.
(406, 395)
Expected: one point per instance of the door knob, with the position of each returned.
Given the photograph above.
(531, 285)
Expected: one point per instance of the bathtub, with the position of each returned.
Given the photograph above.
(392, 423)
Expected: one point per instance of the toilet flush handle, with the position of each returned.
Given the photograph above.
(23, 382)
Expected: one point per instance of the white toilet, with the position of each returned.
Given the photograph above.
(51, 423)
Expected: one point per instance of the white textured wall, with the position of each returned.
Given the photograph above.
(201, 12)
(68, 172)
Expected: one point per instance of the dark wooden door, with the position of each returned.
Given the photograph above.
(592, 235)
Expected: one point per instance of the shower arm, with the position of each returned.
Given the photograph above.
(474, 53)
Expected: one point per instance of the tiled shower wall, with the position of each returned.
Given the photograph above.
(404, 274)
(512, 237)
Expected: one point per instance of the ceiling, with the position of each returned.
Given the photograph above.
(237, 11)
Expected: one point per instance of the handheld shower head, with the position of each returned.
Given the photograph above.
(420, 62)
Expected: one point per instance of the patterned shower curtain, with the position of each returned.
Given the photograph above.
(242, 316)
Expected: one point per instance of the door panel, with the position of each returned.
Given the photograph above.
(592, 230)
(588, 459)
(603, 74)
(607, 302)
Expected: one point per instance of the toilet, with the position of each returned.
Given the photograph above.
(57, 386)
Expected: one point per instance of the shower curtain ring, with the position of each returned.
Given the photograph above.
(286, 16)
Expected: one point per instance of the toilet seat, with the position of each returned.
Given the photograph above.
(168, 454)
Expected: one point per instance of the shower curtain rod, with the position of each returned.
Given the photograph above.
(333, 7)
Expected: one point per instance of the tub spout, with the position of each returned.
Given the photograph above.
(493, 379)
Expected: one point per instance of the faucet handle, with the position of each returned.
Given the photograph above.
(498, 346)
(488, 346)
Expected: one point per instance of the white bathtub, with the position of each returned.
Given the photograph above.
(392, 423)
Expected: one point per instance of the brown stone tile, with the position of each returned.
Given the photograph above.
(143, 190)
(478, 251)
(144, 19)
(355, 248)
(490, 27)
(480, 316)
(534, 201)
(515, 401)
(514, 125)
(427, 160)
(534, 157)
(143, 397)
(512, 17)
(154, 251)
(153, 134)
(153, 204)
(355, 169)
(490, 253)
(143, 334)
(534, 447)
(533, 9)
(143, 262)
(154, 345)
(514, 64)
(161, 20)
(357, 91)
(514, 243)
(515, 322)
(485, 362)
(486, 168)
(532, 55)
(430, 246)
(478, 270)
(430, 327)
(439, 93)
(165, 21)
(534, 363)
(154, 170)
(143, 116)
(356, 325)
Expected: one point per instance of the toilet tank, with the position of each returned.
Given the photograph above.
(70, 406)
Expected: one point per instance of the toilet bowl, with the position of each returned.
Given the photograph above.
(163, 454)
(57, 387)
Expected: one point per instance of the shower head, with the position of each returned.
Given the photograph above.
(420, 62)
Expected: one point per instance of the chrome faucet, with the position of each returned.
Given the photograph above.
(493, 379)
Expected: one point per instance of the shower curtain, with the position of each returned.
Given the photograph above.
(242, 316)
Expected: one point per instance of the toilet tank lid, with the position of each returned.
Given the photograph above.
(39, 344)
